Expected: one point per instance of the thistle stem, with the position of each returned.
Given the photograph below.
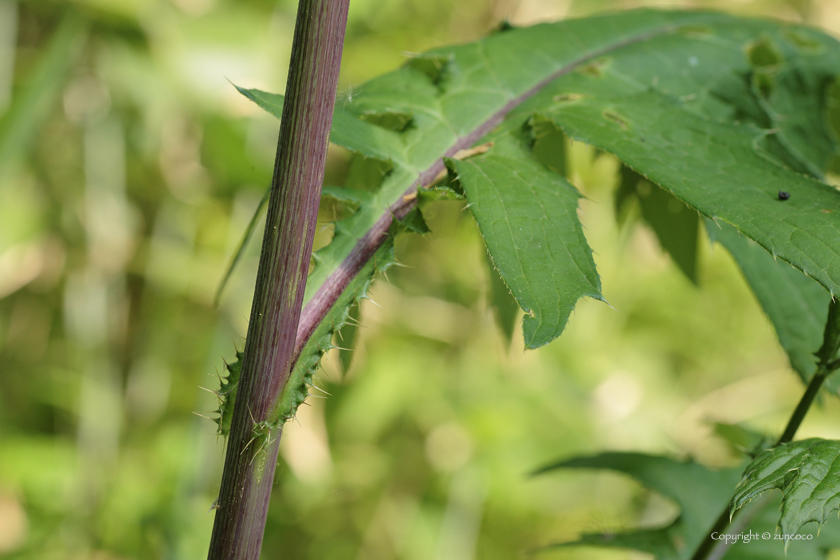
(284, 263)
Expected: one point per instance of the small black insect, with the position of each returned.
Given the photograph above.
(784, 195)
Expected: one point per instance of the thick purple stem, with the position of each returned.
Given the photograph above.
(284, 264)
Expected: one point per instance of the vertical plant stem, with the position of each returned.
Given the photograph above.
(804, 405)
(284, 264)
(825, 367)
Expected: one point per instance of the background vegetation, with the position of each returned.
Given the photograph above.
(129, 168)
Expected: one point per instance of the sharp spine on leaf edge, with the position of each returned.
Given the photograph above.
(297, 388)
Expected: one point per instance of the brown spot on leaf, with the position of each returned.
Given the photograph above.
(616, 118)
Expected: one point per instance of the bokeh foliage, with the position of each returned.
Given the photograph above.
(129, 168)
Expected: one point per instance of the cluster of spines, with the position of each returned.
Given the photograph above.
(226, 394)
(302, 378)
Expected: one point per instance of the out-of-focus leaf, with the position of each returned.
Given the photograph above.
(676, 226)
(501, 301)
(742, 439)
(700, 494)
(791, 85)
(796, 305)
(32, 104)
(240, 248)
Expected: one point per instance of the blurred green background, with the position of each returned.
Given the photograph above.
(129, 167)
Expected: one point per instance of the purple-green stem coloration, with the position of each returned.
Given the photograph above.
(284, 264)
(323, 300)
(278, 330)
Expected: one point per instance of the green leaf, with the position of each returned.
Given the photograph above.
(438, 192)
(700, 493)
(348, 130)
(796, 305)
(709, 122)
(346, 336)
(527, 215)
(693, 127)
(31, 105)
(808, 474)
(791, 83)
(676, 226)
(741, 438)
(301, 380)
(413, 222)
(228, 388)
(240, 248)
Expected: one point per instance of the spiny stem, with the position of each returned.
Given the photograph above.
(826, 366)
(281, 278)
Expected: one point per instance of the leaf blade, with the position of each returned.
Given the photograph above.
(528, 218)
(808, 474)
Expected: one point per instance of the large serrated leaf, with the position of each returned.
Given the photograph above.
(708, 121)
(808, 474)
(699, 492)
(676, 124)
(528, 217)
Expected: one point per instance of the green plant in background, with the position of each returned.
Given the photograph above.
(129, 168)
(734, 118)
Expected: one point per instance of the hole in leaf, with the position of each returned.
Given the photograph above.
(392, 120)
(433, 65)
(766, 59)
(764, 55)
(548, 143)
(366, 173)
